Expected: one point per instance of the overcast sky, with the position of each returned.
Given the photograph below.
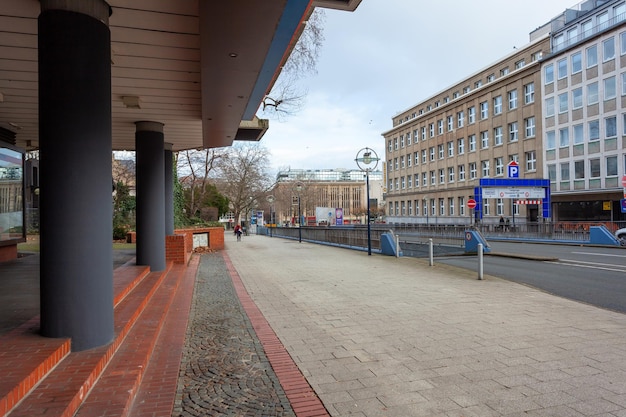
(386, 57)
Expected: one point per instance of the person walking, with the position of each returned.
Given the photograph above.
(238, 232)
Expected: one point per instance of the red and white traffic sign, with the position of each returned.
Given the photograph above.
(624, 181)
(471, 203)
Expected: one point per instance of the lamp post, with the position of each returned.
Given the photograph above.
(271, 199)
(298, 189)
(367, 160)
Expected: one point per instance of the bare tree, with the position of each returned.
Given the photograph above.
(285, 98)
(242, 175)
(195, 167)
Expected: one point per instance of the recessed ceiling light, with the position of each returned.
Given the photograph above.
(233, 55)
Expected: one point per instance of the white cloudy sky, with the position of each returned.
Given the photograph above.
(386, 57)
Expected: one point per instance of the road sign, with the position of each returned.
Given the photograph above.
(471, 203)
(513, 169)
(624, 181)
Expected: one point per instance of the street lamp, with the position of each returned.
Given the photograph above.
(367, 160)
(298, 189)
(271, 199)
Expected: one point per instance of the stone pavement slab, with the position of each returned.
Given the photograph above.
(385, 336)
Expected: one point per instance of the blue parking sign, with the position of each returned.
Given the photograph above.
(623, 204)
(513, 170)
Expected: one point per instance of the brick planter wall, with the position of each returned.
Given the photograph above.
(179, 246)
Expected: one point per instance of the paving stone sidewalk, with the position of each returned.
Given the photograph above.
(224, 371)
(384, 336)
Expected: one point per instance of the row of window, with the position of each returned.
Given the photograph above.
(576, 134)
(442, 151)
(574, 63)
(577, 97)
(446, 207)
(458, 173)
(426, 132)
(590, 168)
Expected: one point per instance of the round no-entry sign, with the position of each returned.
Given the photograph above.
(471, 203)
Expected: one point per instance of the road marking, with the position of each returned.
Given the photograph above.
(590, 265)
(598, 254)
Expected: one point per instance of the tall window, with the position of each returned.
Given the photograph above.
(484, 110)
(460, 119)
(484, 165)
(529, 93)
(577, 98)
(471, 115)
(432, 153)
(451, 206)
(550, 140)
(484, 139)
(592, 93)
(592, 56)
(531, 161)
(548, 73)
(561, 66)
(499, 206)
(579, 136)
(512, 99)
(450, 123)
(563, 103)
(440, 126)
(440, 151)
(497, 105)
(461, 171)
(549, 107)
(577, 62)
(499, 164)
(529, 125)
(472, 142)
(611, 166)
(451, 174)
(442, 176)
(472, 170)
(450, 148)
(565, 176)
(610, 127)
(460, 146)
(564, 137)
(579, 170)
(497, 136)
(594, 168)
(513, 132)
(608, 49)
(609, 88)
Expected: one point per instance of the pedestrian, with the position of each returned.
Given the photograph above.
(238, 232)
(508, 224)
(501, 223)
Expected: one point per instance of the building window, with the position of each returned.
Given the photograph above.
(519, 64)
(610, 127)
(552, 173)
(408, 137)
(499, 163)
(561, 68)
(471, 115)
(440, 151)
(565, 176)
(611, 166)
(451, 174)
(402, 141)
(579, 170)
(550, 107)
(610, 89)
(592, 93)
(460, 146)
(432, 153)
(497, 136)
(512, 99)
(513, 132)
(461, 206)
(410, 204)
(563, 137)
(548, 73)
(423, 129)
(389, 145)
(577, 98)
(499, 206)
(608, 49)
(529, 125)
(531, 161)
(416, 158)
(592, 56)
(424, 160)
(450, 123)
(579, 137)
(577, 62)
(563, 103)
(478, 84)
(433, 178)
(484, 110)
(622, 41)
(395, 144)
(504, 71)
(484, 168)
(451, 206)
(440, 126)
(395, 163)
(529, 93)
(403, 182)
(461, 170)
(550, 140)
(442, 207)
(472, 142)
(491, 78)
(460, 118)
(594, 168)
(472, 170)
(442, 176)
(402, 161)
(416, 178)
(431, 127)
(450, 148)
(484, 139)
(497, 105)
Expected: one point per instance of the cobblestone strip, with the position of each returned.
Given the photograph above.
(303, 399)
(224, 371)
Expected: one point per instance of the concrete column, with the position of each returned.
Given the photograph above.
(150, 149)
(76, 274)
(169, 190)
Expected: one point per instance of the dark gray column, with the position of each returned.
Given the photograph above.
(169, 190)
(75, 143)
(150, 149)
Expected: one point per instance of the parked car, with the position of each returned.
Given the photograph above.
(620, 234)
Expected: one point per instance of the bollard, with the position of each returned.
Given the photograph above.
(480, 261)
(431, 261)
(397, 246)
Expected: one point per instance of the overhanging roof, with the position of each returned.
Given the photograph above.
(201, 67)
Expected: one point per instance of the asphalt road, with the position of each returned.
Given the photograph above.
(593, 275)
